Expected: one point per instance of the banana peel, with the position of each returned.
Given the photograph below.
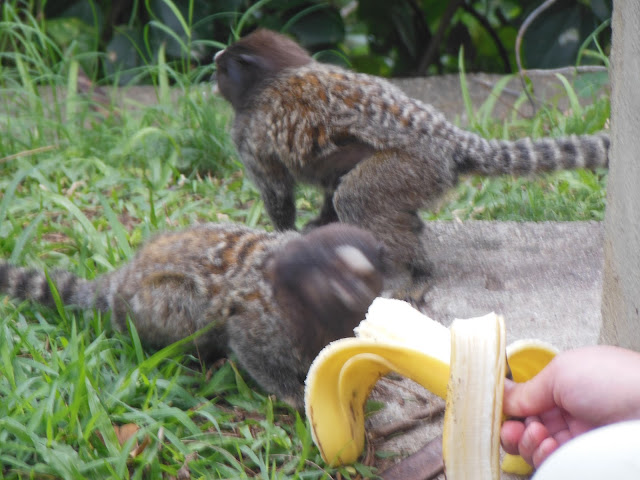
(465, 365)
(526, 359)
(343, 374)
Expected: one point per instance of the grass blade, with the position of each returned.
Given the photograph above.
(117, 227)
(176, 11)
(163, 79)
(71, 101)
(466, 97)
(9, 193)
(571, 94)
(24, 237)
(486, 109)
(96, 240)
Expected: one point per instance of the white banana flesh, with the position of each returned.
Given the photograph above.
(472, 418)
(465, 365)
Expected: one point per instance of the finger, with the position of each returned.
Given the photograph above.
(546, 448)
(557, 425)
(578, 427)
(554, 420)
(534, 434)
(562, 437)
(532, 419)
(532, 397)
(510, 435)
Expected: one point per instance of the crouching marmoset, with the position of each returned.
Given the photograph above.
(277, 298)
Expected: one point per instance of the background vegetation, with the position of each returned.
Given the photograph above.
(87, 172)
(403, 37)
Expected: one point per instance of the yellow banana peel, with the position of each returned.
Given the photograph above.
(342, 376)
(465, 365)
(526, 359)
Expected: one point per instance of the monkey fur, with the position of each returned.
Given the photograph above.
(379, 155)
(277, 298)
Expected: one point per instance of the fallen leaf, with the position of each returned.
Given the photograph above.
(184, 473)
(138, 449)
(125, 432)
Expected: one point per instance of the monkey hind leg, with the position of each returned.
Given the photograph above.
(383, 197)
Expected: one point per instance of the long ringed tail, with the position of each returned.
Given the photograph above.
(496, 157)
(30, 284)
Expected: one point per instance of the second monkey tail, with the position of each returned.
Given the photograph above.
(520, 157)
(30, 284)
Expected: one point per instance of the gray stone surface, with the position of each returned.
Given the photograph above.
(544, 278)
(621, 295)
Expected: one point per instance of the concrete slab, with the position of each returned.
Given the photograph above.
(544, 278)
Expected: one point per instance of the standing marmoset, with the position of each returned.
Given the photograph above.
(278, 298)
(379, 155)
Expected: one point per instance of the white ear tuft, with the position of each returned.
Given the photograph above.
(355, 259)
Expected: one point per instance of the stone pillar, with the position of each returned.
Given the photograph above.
(621, 282)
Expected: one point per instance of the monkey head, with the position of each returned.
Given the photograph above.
(326, 281)
(243, 67)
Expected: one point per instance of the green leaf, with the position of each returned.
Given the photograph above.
(9, 193)
(237, 31)
(554, 39)
(72, 31)
(317, 26)
(178, 15)
(172, 350)
(243, 388)
(124, 54)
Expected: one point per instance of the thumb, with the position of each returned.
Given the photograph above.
(530, 398)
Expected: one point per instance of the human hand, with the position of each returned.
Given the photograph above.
(579, 390)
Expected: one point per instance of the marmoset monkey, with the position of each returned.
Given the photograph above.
(277, 298)
(379, 155)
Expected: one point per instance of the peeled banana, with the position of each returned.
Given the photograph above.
(473, 414)
(465, 365)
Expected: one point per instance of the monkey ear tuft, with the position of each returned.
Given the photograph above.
(249, 59)
(355, 259)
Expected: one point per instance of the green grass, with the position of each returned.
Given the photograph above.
(557, 196)
(66, 378)
(82, 184)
